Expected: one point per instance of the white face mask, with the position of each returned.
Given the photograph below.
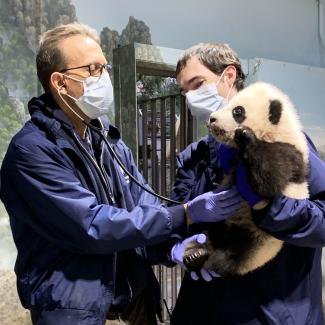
(97, 98)
(205, 100)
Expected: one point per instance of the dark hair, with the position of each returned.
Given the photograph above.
(216, 57)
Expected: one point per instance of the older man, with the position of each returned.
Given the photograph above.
(79, 224)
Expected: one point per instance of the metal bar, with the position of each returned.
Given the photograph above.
(174, 285)
(165, 290)
(190, 123)
(162, 281)
(145, 140)
(172, 142)
(154, 178)
(183, 125)
(163, 146)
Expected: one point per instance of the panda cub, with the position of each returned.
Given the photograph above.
(262, 123)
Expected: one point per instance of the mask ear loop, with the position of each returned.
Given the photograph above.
(66, 103)
(230, 90)
(223, 72)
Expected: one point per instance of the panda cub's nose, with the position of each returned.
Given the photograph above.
(212, 120)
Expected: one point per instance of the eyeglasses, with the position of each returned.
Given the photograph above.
(95, 70)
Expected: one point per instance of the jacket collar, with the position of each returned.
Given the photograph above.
(46, 113)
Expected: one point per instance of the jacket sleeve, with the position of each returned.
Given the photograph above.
(62, 210)
(300, 222)
(184, 182)
(158, 253)
(181, 191)
(197, 170)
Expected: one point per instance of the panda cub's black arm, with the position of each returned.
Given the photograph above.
(270, 166)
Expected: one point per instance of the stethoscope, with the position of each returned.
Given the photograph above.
(120, 163)
(112, 152)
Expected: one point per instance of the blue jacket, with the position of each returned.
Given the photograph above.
(71, 210)
(287, 290)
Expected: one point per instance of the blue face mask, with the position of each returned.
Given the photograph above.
(205, 100)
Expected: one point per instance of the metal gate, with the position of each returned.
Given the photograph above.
(155, 130)
(165, 128)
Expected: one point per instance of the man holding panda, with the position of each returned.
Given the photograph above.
(287, 290)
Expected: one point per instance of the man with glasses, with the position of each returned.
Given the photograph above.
(79, 224)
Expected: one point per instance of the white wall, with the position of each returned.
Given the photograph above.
(284, 30)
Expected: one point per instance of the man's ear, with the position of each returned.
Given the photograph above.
(230, 74)
(57, 82)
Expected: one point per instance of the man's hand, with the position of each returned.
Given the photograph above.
(206, 275)
(227, 157)
(245, 189)
(213, 206)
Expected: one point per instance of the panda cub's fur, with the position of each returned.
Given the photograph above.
(262, 123)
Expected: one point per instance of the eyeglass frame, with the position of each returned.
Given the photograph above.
(106, 66)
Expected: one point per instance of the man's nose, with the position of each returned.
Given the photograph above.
(212, 120)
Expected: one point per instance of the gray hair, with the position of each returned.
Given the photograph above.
(216, 57)
(49, 57)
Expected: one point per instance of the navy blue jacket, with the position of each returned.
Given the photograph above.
(287, 290)
(71, 210)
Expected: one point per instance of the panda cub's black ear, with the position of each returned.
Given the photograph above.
(275, 111)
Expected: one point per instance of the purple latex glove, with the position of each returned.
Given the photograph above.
(244, 187)
(177, 255)
(227, 157)
(206, 275)
(215, 205)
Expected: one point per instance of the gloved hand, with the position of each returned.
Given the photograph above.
(177, 255)
(214, 206)
(206, 275)
(244, 187)
(227, 157)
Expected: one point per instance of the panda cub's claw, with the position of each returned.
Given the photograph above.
(244, 137)
(194, 257)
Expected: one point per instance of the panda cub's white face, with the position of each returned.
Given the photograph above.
(265, 110)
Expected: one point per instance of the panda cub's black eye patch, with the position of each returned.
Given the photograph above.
(275, 111)
(238, 113)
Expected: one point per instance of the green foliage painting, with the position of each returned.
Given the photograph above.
(21, 23)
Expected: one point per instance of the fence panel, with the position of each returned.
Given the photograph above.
(165, 128)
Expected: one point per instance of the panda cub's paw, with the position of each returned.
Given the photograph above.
(196, 254)
(244, 138)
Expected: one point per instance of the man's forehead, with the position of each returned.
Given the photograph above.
(79, 48)
(193, 64)
(192, 70)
